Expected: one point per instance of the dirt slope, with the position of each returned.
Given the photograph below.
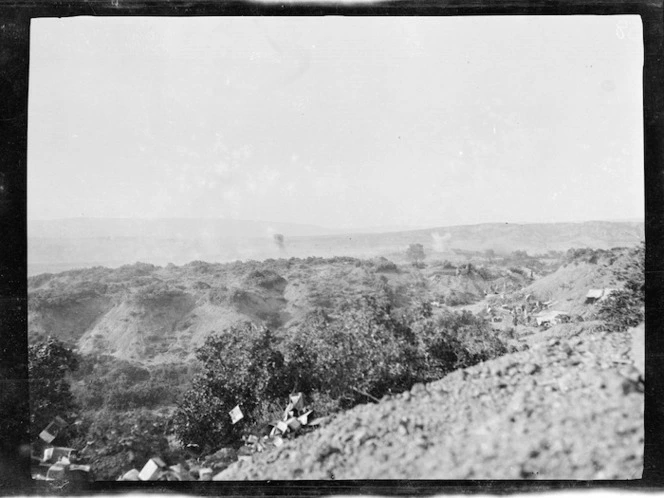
(150, 314)
(567, 287)
(566, 408)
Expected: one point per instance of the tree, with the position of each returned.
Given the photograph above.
(240, 367)
(520, 255)
(368, 347)
(363, 348)
(279, 241)
(49, 364)
(113, 442)
(415, 253)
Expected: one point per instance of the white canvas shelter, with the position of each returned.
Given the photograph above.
(549, 316)
(595, 293)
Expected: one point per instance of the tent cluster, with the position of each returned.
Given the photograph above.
(552, 317)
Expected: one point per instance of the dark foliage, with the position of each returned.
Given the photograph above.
(240, 367)
(370, 348)
(626, 307)
(364, 348)
(114, 442)
(112, 384)
(584, 255)
(415, 253)
(49, 365)
(336, 360)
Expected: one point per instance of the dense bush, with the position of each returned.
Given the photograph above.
(520, 256)
(458, 298)
(584, 255)
(240, 366)
(475, 340)
(364, 350)
(626, 307)
(415, 253)
(59, 298)
(485, 273)
(453, 340)
(266, 279)
(124, 395)
(49, 365)
(112, 384)
(369, 347)
(363, 347)
(384, 265)
(114, 442)
(157, 292)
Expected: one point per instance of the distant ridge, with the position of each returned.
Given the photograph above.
(65, 244)
(166, 228)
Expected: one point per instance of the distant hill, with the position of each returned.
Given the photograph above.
(60, 245)
(503, 237)
(151, 314)
(82, 228)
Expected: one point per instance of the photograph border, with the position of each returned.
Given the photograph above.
(14, 78)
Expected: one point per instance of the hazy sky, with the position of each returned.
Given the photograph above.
(340, 122)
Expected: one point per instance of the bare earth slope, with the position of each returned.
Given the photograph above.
(149, 314)
(566, 408)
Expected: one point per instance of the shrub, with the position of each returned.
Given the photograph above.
(626, 307)
(485, 273)
(457, 298)
(584, 255)
(113, 384)
(384, 265)
(519, 255)
(363, 348)
(337, 356)
(415, 253)
(115, 442)
(475, 339)
(370, 348)
(156, 293)
(266, 279)
(49, 365)
(125, 396)
(454, 340)
(240, 367)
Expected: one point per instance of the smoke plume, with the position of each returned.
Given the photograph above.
(441, 243)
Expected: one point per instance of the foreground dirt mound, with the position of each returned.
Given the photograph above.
(569, 407)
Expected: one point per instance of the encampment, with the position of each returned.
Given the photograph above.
(552, 317)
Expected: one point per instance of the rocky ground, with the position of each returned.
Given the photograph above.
(567, 406)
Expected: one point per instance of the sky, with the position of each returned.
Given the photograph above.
(343, 122)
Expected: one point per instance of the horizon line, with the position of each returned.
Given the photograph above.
(398, 227)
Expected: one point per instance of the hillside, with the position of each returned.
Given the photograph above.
(565, 408)
(153, 315)
(55, 246)
(184, 228)
(512, 409)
